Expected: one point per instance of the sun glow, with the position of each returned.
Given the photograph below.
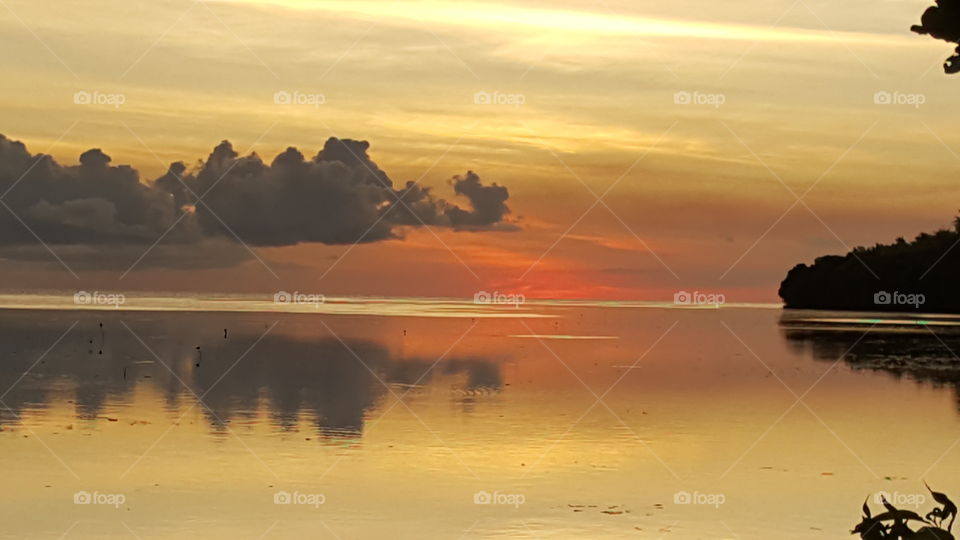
(506, 18)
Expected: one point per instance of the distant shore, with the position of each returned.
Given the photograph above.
(909, 277)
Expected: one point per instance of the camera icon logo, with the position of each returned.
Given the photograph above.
(282, 297)
(682, 298)
(81, 298)
(282, 497)
(882, 298)
(82, 98)
(82, 497)
(482, 98)
(881, 497)
(282, 98)
(481, 297)
(682, 497)
(883, 98)
(682, 98)
(482, 497)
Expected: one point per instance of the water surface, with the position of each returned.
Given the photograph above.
(573, 420)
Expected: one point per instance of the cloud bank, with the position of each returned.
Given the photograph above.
(339, 196)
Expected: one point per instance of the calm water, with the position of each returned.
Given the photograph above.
(571, 421)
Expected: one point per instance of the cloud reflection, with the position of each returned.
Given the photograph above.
(335, 385)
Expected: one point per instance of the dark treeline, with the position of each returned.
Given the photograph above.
(882, 277)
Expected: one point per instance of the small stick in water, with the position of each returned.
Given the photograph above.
(224, 333)
(199, 356)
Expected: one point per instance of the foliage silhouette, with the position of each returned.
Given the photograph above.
(926, 266)
(943, 22)
(894, 524)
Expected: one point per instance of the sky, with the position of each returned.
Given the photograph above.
(645, 147)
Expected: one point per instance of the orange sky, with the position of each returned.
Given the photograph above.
(702, 195)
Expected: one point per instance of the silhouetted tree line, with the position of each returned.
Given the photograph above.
(927, 266)
(942, 21)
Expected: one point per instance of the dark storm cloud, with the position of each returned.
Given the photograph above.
(339, 196)
(489, 203)
(93, 202)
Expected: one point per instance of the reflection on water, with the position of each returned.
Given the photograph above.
(104, 360)
(923, 348)
(599, 419)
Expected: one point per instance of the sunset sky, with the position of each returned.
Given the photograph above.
(710, 195)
